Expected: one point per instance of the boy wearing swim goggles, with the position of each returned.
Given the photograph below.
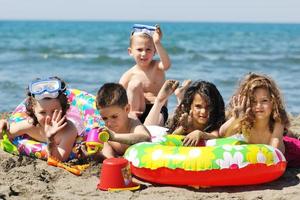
(46, 106)
(144, 80)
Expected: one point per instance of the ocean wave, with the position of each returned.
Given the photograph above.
(76, 56)
(116, 60)
(175, 50)
(9, 85)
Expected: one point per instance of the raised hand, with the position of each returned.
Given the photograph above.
(185, 123)
(186, 120)
(54, 124)
(239, 103)
(111, 134)
(157, 34)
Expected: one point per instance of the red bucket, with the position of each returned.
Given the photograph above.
(115, 175)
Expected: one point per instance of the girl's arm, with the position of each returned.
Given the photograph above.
(165, 61)
(66, 138)
(25, 127)
(60, 135)
(194, 137)
(277, 137)
(230, 127)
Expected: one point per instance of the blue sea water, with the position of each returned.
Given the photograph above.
(88, 54)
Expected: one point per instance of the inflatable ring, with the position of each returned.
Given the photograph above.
(222, 162)
(82, 113)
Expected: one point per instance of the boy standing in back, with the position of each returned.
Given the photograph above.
(144, 80)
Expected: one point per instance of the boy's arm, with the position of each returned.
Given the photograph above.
(165, 61)
(229, 127)
(140, 134)
(124, 80)
(277, 137)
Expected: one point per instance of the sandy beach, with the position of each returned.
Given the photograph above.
(27, 178)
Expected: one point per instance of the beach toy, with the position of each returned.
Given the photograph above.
(6, 145)
(82, 113)
(115, 175)
(95, 140)
(221, 162)
(56, 163)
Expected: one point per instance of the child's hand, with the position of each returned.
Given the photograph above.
(186, 120)
(54, 125)
(81, 150)
(239, 106)
(111, 134)
(4, 125)
(157, 34)
(193, 138)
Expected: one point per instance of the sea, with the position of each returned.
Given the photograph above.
(89, 54)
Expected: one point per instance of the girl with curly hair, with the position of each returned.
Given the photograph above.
(257, 111)
(199, 114)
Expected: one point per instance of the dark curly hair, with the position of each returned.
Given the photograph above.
(31, 101)
(213, 98)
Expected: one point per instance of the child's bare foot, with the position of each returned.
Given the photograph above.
(167, 89)
(179, 92)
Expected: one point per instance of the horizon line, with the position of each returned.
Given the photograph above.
(160, 21)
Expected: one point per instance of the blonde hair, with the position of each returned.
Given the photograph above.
(247, 87)
(142, 35)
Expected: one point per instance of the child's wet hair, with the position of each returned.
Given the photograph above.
(111, 94)
(31, 101)
(247, 87)
(214, 100)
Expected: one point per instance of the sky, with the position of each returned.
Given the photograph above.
(282, 11)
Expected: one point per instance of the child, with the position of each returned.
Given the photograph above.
(124, 130)
(199, 114)
(46, 106)
(144, 80)
(257, 111)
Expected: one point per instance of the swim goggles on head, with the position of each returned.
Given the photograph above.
(140, 29)
(45, 88)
